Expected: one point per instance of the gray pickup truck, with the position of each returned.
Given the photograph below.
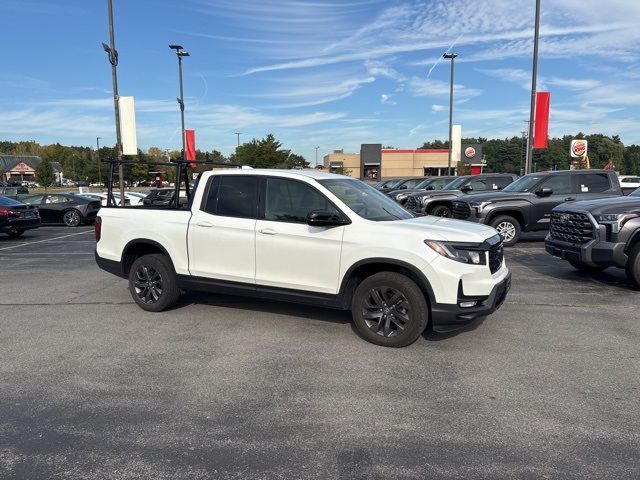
(526, 204)
(595, 234)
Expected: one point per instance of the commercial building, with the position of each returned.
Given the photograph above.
(18, 168)
(375, 163)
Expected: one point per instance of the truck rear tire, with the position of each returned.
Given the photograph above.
(509, 229)
(389, 309)
(153, 283)
(633, 265)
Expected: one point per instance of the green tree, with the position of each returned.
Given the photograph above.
(44, 173)
(266, 153)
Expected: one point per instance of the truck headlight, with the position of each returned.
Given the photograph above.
(616, 220)
(401, 196)
(479, 206)
(459, 252)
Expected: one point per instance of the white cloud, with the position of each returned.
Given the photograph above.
(437, 108)
(386, 99)
(423, 87)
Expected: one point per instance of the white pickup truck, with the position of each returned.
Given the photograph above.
(309, 237)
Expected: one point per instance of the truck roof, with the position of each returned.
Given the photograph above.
(315, 174)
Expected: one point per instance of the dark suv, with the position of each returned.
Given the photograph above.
(440, 203)
(526, 204)
(428, 184)
(595, 234)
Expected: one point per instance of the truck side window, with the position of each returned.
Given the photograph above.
(500, 182)
(478, 185)
(291, 201)
(560, 184)
(594, 183)
(233, 196)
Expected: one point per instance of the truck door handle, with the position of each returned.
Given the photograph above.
(204, 224)
(268, 231)
(569, 199)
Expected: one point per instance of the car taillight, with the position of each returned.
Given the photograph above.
(5, 213)
(97, 227)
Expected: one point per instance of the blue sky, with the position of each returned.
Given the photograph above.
(317, 73)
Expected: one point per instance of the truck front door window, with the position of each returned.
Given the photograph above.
(291, 201)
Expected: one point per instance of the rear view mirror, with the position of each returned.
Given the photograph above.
(323, 218)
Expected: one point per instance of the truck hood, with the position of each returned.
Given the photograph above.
(446, 229)
(604, 205)
(498, 197)
(448, 194)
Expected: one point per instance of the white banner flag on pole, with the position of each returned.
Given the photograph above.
(456, 142)
(128, 126)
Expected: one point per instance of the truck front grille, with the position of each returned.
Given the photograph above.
(461, 210)
(571, 227)
(496, 256)
(412, 204)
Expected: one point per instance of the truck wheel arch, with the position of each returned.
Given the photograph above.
(633, 240)
(139, 247)
(515, 213)
(440, 203)
(367, 267)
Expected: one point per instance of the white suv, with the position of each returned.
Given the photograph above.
(309, 237)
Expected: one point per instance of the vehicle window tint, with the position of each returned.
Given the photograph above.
(237, 196)
(440, 183)
(291, 201)
(594, 182)
(560, 184)
(500, 182)
(210, 202)
(412, 183)
(478, 184)
(33, 200)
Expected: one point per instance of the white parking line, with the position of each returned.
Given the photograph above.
(46, 240)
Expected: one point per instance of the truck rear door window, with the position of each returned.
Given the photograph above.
(594, 183)
(233, 196)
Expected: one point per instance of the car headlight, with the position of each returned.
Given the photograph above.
(479, 206)
(616, 220)
(459, 252)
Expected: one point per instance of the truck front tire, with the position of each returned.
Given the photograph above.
(440, 211)
(389, 309)
(508, 228)
(633, 265)
(152, 283)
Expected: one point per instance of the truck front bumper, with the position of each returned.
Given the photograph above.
(447, 317)
(594, 253)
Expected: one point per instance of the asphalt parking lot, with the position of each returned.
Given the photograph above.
(229, 388)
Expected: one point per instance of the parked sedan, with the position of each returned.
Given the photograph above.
(17, 217)
(71, 210)
(162, 197)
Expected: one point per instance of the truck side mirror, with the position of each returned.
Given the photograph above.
(466, 188)
(544, 192)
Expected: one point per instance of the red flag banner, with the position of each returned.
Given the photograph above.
(190, 140)
(541, 123)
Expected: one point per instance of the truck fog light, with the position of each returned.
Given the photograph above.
(468, 304)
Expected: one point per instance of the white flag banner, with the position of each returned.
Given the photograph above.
(456, 142)
(128, 126)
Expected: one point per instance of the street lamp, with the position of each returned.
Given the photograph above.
(534, 74)
(98, 152)
(450, 56)
(238, 135)
(113, 60)
(180, 52)
(317, 155)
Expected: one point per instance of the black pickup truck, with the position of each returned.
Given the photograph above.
(526, 204)
(595, 234)
(440, 204)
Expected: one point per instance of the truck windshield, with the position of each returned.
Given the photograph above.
(635, 193)
(366, 201)
(524, 184)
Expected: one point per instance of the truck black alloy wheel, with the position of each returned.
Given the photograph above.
(72, 218)
(15, 233)
(152, 283)
(441, 211)
(508, 228)
(633, 265)
(389, 309)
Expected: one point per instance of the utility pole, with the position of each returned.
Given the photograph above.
(98, 152)
(113, 60)
(452, 57)
(522, 147)
(317, 155)
(180, 52)
(534, 74)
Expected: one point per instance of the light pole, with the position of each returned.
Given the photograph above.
(317, 155)
(98, 152)
(113, 60)
(180, 52)
(524, 135)
(450, 56)
(238, 135)
(534, 74)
